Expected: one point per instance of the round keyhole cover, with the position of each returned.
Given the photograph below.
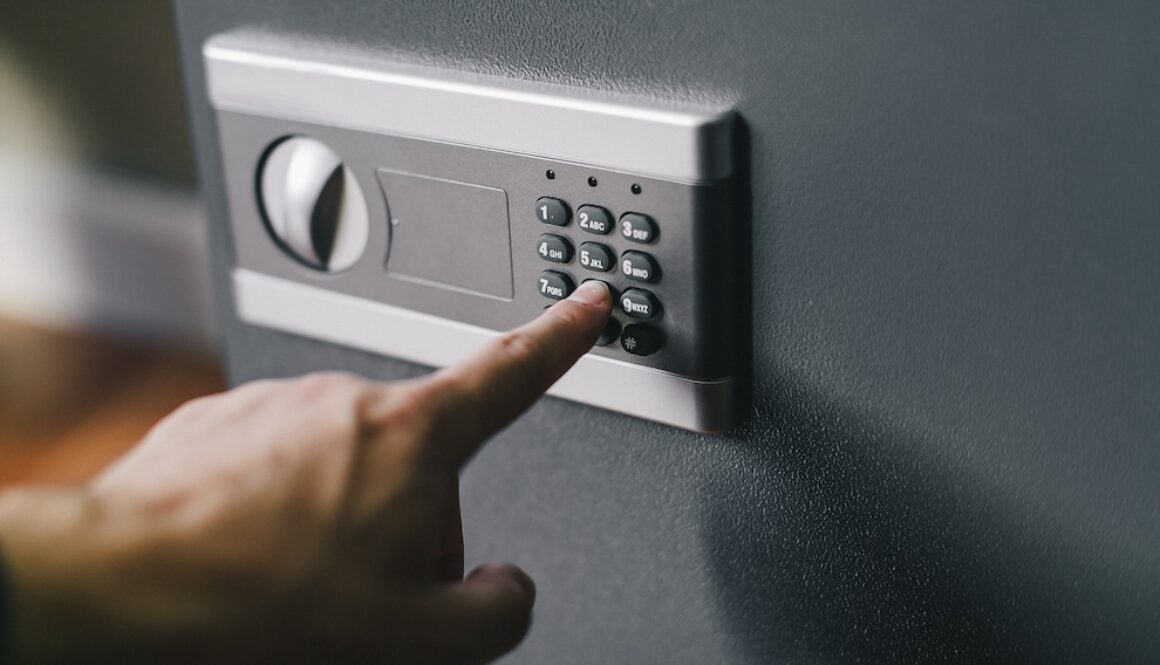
(313, 204)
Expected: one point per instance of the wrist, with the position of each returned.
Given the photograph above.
(55, 571)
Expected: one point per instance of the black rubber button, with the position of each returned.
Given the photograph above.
(639, 267)
(640, 304)
(637, 227)
(595, 256)
(554, 248)
(555, 285)
(594, 219)
(641, 340)
(553, 211)
(610, 334)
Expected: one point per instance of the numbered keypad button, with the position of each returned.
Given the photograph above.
(594, 219)
(639, 267)
(554, 248)
(640, 304)
(553, 211)
(637, 227)
(611, 333)
(595, 256)
(641, 340)
(555, 285)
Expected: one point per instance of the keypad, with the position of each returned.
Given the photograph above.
(554, 248)
(633, 304)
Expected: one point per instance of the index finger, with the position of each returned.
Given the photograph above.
(483, 394)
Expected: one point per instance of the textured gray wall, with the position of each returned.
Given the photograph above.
(954, 453)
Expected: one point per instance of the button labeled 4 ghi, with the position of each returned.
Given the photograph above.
(554, 248)
(639, 266)
(640, 304)
(555, 285)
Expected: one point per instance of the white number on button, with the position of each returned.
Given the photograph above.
(583, 220)
(544, 249)
(544, 212)
(584, 260)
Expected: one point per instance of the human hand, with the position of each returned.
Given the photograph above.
(315, 518)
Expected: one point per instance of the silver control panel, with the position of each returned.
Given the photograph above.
(419, 213)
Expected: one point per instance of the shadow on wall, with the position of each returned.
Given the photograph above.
(842, 545)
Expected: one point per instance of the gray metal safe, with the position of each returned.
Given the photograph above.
(952, 453)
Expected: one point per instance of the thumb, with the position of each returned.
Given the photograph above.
(487, 614)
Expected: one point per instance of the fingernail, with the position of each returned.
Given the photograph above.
(592, 292)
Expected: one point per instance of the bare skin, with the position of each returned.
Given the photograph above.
(314, 519)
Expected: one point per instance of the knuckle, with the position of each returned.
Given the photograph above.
(518, 347)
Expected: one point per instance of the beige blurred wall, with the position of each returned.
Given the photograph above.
(98, 208)
(98, 82)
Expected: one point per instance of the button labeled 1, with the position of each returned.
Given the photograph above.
(553, 211)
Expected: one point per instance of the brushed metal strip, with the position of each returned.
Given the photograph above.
(264, 78)
(429, 340)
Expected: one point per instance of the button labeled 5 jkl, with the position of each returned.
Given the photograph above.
(595, 256)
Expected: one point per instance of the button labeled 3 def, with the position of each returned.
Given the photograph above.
(637, 227)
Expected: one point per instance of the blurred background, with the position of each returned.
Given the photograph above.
(105, 318)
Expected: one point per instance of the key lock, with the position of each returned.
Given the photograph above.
(313, 204)
(495, 197)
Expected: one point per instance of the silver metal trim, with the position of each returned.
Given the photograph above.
(258, 76)
(281, 304)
